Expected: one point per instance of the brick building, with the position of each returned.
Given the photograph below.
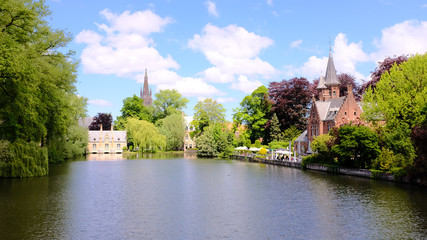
(331, 110)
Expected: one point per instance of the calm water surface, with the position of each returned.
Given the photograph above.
(176, 197)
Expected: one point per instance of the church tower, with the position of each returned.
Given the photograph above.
(145, 93)
(329, 86)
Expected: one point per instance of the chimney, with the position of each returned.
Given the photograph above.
(350, 90)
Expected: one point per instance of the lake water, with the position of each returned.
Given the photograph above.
(170, 196)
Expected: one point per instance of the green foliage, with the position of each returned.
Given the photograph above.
(257, 143)
(207, 112)
(398, 99)
(215, 141)
(173, 127)
(275, 132)
(72, 145)
(291, 133)
(37, 93)
(23, 159)
(387, 160)
(145, 135)
(254, 112)
(133, 107)
(169, 102)
(248, 143)
(322, 143)
(355, 146)
(278, 144)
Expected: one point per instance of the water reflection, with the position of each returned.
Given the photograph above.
(104, 157)
(177, 196)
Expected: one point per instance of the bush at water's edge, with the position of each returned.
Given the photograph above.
(23, 159)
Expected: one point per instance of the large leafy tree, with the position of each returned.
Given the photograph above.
(398, 100)
(173, 127)
(355, 146)
(38, 101)
(133, 107)
(254, 112)
(291, 101)
(346, 79)
(168, 102)
(101, 118)
(207, 112)
(145, 135)
(215, 141)
(382, 67)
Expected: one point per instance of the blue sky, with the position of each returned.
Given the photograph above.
(225, 49)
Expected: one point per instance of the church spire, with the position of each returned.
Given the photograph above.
(331, 73)
(146, 92)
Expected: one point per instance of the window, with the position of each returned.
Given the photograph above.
(354, 113)
(191, 146)
(107, 146)
(186, 137)
(334, 94)
(94, 147)
(118, 139)
(345, 113)
(118, 146)
(329, 127)
(94, 139)
(186, 146)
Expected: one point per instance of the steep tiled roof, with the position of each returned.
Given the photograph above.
(331, 73)
(328, 109)
(118, 135)
(321, 84)
(302, 137)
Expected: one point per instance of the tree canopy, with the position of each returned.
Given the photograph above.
(145, 135)
(291, 101)
(173, 127)
(207, 112)
(101, 118)
(254, 112)
(38, 100)
(168, 102)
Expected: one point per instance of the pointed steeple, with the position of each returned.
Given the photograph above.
(331, 73)
(321, 84)
(146, 90)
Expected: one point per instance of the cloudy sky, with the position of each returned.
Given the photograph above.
(225, 49)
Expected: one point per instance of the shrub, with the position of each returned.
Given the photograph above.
(23, 159)
(257, 143)
(263, 151)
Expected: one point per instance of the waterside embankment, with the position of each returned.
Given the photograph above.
(365, 173)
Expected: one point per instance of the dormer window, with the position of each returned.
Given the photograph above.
(334, 94)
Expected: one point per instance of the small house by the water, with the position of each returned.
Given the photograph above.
(109, 141)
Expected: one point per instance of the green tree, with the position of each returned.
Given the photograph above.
(173, 127)
(215, 141)
(38, 101)
(398, 99)
(169, 102)
(207, 112)
(134, 107)
(145, 135)
(355, 146)
(254, 113)
(275, 132)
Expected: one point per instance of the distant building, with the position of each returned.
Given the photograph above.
(109, 141)
(330, 110)
(145, 93)
(188, 141)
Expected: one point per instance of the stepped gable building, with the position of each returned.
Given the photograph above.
(146, 92)
(331, 110)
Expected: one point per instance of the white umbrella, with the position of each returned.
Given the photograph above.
(254, 149)
(284, 152)
(241, 148)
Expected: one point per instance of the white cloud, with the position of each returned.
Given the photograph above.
(211, 8)
(296, 43)
(233, 51)
(245, 85)
(100, 102)
(270, 2)
(408, 37)
(192, 87)
(140, 22)
(225, 99)
(122, 45)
